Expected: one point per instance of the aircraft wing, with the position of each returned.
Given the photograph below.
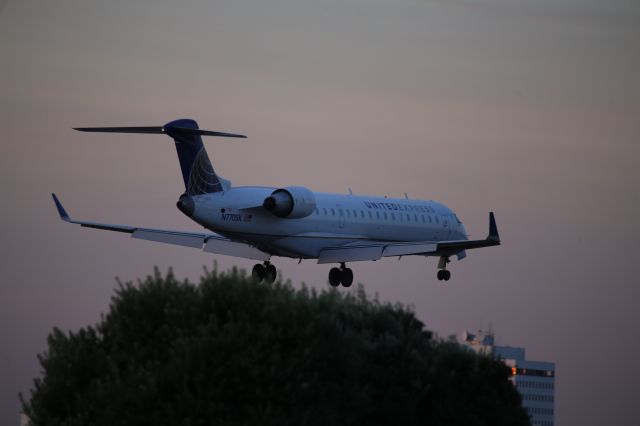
(378, 249)
(209, 242)
(374, 251)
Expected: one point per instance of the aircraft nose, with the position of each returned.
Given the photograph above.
(186, 205)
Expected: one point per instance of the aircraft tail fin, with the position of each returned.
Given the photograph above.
(197, 171)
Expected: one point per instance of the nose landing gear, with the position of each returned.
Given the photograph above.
(342, 275)
(266, 272)
(443, 274)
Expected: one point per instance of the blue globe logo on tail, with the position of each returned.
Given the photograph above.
(197, 171)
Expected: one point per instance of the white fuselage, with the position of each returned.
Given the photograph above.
(337, 219)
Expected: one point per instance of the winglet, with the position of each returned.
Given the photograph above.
(61, 211)
(493, 229)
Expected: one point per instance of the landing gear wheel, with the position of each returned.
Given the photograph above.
(443, 274)
(270, 273)
(334, 277)
(258, 272)
(346, 277)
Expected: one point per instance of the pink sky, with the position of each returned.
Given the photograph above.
(529, 109)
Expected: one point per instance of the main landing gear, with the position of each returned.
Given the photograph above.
(342, 275)
(266, 272)
(443, 274)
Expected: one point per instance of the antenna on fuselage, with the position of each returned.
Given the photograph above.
(406, 196)
(350, 191)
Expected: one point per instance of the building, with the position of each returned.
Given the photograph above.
(535, 380)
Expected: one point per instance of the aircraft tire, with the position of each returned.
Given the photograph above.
(440, 275)
(258, 272)
(334, 277)
(446, 275)
(270, 273)
(346, 277)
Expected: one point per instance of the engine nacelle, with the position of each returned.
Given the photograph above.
(293, 202)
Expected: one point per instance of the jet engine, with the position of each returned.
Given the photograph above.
(293, 202)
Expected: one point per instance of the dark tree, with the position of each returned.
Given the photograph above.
(230, 351)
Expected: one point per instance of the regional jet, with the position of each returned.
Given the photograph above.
(258, 223)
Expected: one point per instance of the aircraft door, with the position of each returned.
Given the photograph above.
(341, 218)
(446, 226)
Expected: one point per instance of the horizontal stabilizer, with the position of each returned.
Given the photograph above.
(158, 130)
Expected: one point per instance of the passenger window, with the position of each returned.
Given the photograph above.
(378, 215)
(429, 218)
(385, 216)
(408, 217)
(415, 216)
(361, 214)
(393, 216)
(370, 215)
(333, 212)
(324, 209)
(422, 218)
(341, 212)
(348, 213)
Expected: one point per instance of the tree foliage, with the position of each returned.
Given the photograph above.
(231, 351)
